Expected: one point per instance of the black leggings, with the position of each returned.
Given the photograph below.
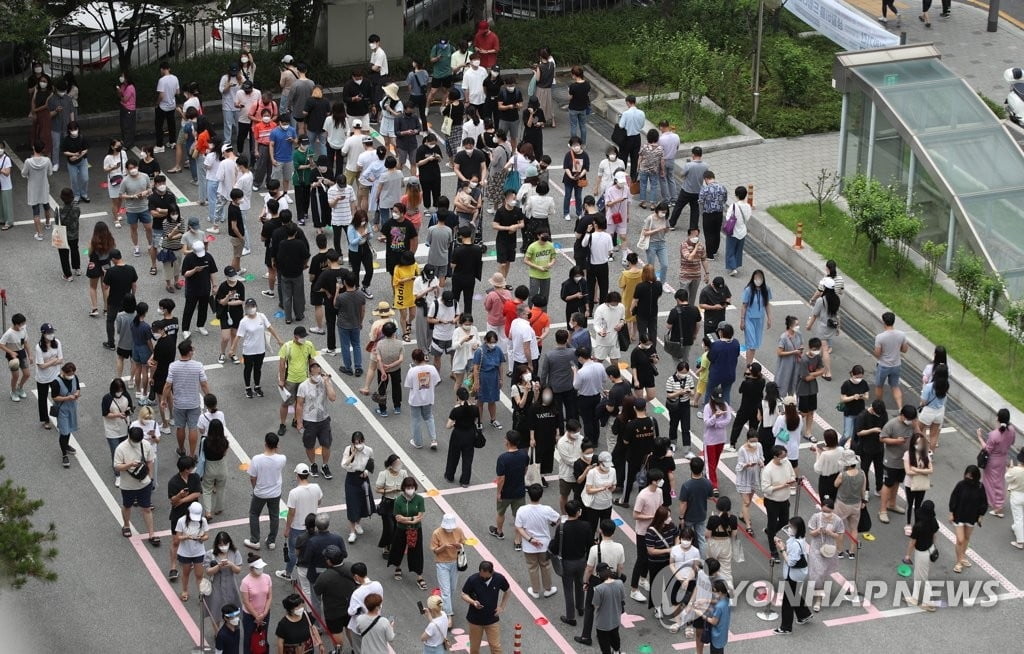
(887, 6)
(866, 460)
(679, 419)
(465, 288)
(914, 500)
(65, 444)
(363, 257)
(302, 196)
(191, 303)
(394, 379)
(608, 641)
(331, 320)
(598, 276)
(640, 566)
(743, 417)
(431, 191)
(43, 391)
(335, 162)
(252, 368)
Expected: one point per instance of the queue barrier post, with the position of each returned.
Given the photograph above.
(336, 646)
(202, 647)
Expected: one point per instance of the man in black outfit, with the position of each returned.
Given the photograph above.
(198, 269)
(119, 280)
(469, 163)
(290, 260)
(467, 267)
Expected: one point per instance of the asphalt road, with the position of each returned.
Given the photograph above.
(112, 594)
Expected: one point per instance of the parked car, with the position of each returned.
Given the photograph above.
(428, 14)
(244, 27)
(80, 41)
(525, 9)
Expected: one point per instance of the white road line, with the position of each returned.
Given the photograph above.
(170, 184)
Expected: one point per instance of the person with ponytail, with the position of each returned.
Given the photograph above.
(997, 444)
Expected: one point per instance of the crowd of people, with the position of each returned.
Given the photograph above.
(583, 396)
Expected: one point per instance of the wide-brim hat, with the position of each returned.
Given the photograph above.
(383, 310)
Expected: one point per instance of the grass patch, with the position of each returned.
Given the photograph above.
(706, 124)
(936, 317)
(998, 108)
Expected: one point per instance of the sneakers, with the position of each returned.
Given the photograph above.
(551, 591)
(317, 330)
(906, 530)
(251, 545)
(567, 217)
(246, 252)
(203, 330)
(65, 462)
(644, 584)
(314, 470)
(495, 424)
(518, 547)
(413, 443)
(158, 149)
(326, 473)
(359, 529)
(281, 429)
(258, 391)
(221, 358)
(165, 429)
(433, 445)
(268, 293)
(636, 595)
(532, 593)
(352, 537)
(729, 447)
(850, 554)
(213, 229)
(117, 482)
(806, 620)
(271, 546)
(137, 252)
(367, 294)
(782, 632)
(249, 394)
(895, 508)
(71, 450)
(15, 397)
(282, 574)
(493, 531)
(185, 335)
(883, 517)
(383, 413)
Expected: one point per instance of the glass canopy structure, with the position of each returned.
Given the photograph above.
(910, 122)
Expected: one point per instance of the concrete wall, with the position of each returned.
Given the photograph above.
(351, 22)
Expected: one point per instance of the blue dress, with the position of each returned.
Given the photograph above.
(490, 360)
(67, 412)
(753, 323)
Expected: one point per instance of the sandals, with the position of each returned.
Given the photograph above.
(155, 541)
(152, 270)
(183, 596)
(398, 575)
(173, 170)
(407, 336)
(422, 583)
(126, 532)
(94, 313)
(958, 568)
(173, 574)
(966, 563)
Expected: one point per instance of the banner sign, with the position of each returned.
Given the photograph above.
(848, 27)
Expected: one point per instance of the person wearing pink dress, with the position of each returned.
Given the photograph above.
(997, 443)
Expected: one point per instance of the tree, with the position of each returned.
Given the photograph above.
(1015, 319)
(986, 297)
(302, 19)
(871, 204)
(825, 189)
(650, 56)
(24, 23)
(968, 270)
(24, 551)
(933, 254)
(901, 227)
(688, 56)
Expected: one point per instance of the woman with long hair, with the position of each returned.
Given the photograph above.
(127, 97)
(755, 313)
(787, 429)
(49, 359)
(115, 165)
(189, 535)
(918, 467)
(645, 304)
(453, 113)
(933, 405)
(939, 357)
(215, 478)
(828, 463)
(716, 416)
(389, 486)
(65, 391)
(223, 565)
(142, 350)
(334, 128)
(788, 350)
(967, 505)
(766, 413)
(825, 316)
(116, 407)
(360, 252)
(831, 272)
(523, 394)
(660, 538)
(922, 540)
(749, 463)
(997, 443)
(462, 420)
(412, 202)
(358, 493)
(100, 245)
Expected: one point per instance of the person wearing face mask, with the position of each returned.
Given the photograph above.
(407, 127)
(389, 486)
(303, 165)
(465, 342)
(126, 96)
(135, 191)
(295, 631)
(136, 492)
(794, 572)
(251, 331)
(545, 427)
(488, 368)
(788, 351)
(509, 102)
(446, 542)
(755, 313)
(473, 82)
(257, 595)
(597, 490)
(407, 542)
(809, 368)
(648, 501)
(357, 462)
(229, 636)
(312, 417)
(378, 66)
(66, 390)
(62, 113)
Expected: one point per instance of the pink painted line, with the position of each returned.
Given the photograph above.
(733, 638)
(856, 619)
(169, 594)
(556, 637)
(845, 584)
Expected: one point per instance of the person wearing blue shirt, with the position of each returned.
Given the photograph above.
(719, 616)
(632, 120)
(282, 146)
(724, 354)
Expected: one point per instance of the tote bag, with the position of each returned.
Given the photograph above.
(59, 235)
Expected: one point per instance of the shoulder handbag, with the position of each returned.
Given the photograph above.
(533, 475)
(140, 469)
(641, 475)
(115, 180)
(201, 458)
(372, 625)
(556, 558)
(644, 241)
(258, 640)
(730, 223)
(462, 560)
(983, 456)
(933, 553)
(594, 579)
(479, 440)
(623, 337)
(59, 235)
(446, 126)
(531, 88)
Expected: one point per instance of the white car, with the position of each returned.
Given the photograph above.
(243, 28)
(81, 43)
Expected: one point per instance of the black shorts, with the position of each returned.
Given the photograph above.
(316, 298)
(505, 250)
(892, 477)
(442, 82)
(337, 625)
(143, 498)
(316, 432)
(123, 353)
(807, 403)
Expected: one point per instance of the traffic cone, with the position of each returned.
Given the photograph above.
(517, 640)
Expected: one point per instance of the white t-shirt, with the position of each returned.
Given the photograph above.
(5, 180)
(149, 431)
(314, 401)
(421, 380)
(50, 373)
(521, 333)
(244, 182)
(266, 468)
(282, 202)
(606, 171)
(536, 520)
(193, 102)
(206, 417)
(473, 84)
(305, 499)
(168, 85)
(600, 244)
(341, 213)
(612, 553)
(678, 556)
(352, 149)
(606, 317)
(247, 101)
(436, 630)
(196, 528)
(365, 159)
(227, 175)
(118, 161)
(443, 331)
(228, 88)
(603, 499)
(379, 58)
(252, 330)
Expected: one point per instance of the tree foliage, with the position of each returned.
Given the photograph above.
(1014, 315)
(901, 227)
(871, 205)
(986, 298)
(933, 253)
(967, 273)
(25, 551)
(24, 23)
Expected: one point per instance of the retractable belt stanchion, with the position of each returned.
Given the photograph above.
(202, 647)
(336, 647)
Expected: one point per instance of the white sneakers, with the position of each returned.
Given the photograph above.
(636, 595)
(359, 530)
(203, 330)
(644, 584)
(551, 591)
(532, 593)
(352, 537)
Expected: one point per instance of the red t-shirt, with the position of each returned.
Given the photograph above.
(261, 131)
(510, 312)
(487, 41)
(539, 320)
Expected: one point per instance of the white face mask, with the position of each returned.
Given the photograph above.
(474, 63)
(374, 46)
(395, 214)
(467, 327)
(161, 188)
(49, 337)
(73, 133)
(315, 378)
(121, 79)
(43, 85)
(686, 544)
(527, 377)
(587, 457)
(494, 74)
(245, 60)
(251, 311)
(577, 149)
(512, 203)
(37, 70)
(233, 621)
(661, 482)
(223, 548)
(266, 119)
(694, 239)
(359, 447)
(796, 328)
(409, 492)
(474, 184)
(298, 610)
(790, 531)
(118, 394)
(578, 278)
(603, 465)
(613, 157)
(814, 353)
(856, 380)
(134, 172)
(758, 281)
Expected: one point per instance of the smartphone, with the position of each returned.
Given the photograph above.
(419, 605)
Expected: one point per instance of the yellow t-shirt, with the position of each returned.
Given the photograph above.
(297, 358)
(404, 296)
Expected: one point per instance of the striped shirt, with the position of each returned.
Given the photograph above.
(185, 378)
(691, 268)
(673, 385)
(837, 280)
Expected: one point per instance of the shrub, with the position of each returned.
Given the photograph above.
(901, 227)
(790, 66)
(986, 297)
(933, 253)
(967, 273)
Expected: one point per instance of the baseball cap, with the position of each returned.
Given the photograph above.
(195, 511)
(828, 282)
(230, 272)
(287, 59)
(299, 331)
(333, 554)
(302, 469)
(193, 222)
(115, 254)
(367, 140)
(226, 147)
(199, 249)
(251, 302)
(47, 328)
(357, 124)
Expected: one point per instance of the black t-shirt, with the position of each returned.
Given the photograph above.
(573, 538)
(545, 421)
(228, 639)
(467, 261)
(849, 388)
(721, 526)
(617, 392)
(291, 257)
(711, 296)
(506, 218)
(512, 466)
(430, 171)
(236, 292)
(150, 169)
(666, 464)
(235, 221)
(639, 435)
(327, 282)
(119, 279)
(198, 285)
(317, 265)
(335, 587)
(296, 634)
(486, 592)
(640, 359)
(751, 392)
(683, 318)
(870, 443)
(579, 251)
(399, 234)
(579, 96)
(164, 200)
(174, 486)
(923, 534)
(465, 416)
(646, 295)
(513, 97)
(267, 232)
(470, 163)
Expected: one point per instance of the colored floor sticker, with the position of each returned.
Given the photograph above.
(376, 265)
(558, 246)
(279, 314)
(215, 323)
(472, 542)
(433, 492)
(183, 200)
(211, 239)
(250, 278)
(103, 185)
(618, 522)
(351, 400)
(659, 409)
(541, 621)
(492, 253)
(284, 513)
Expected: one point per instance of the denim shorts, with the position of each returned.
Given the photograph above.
(186, 417)
(890, 374)
(136, 217)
